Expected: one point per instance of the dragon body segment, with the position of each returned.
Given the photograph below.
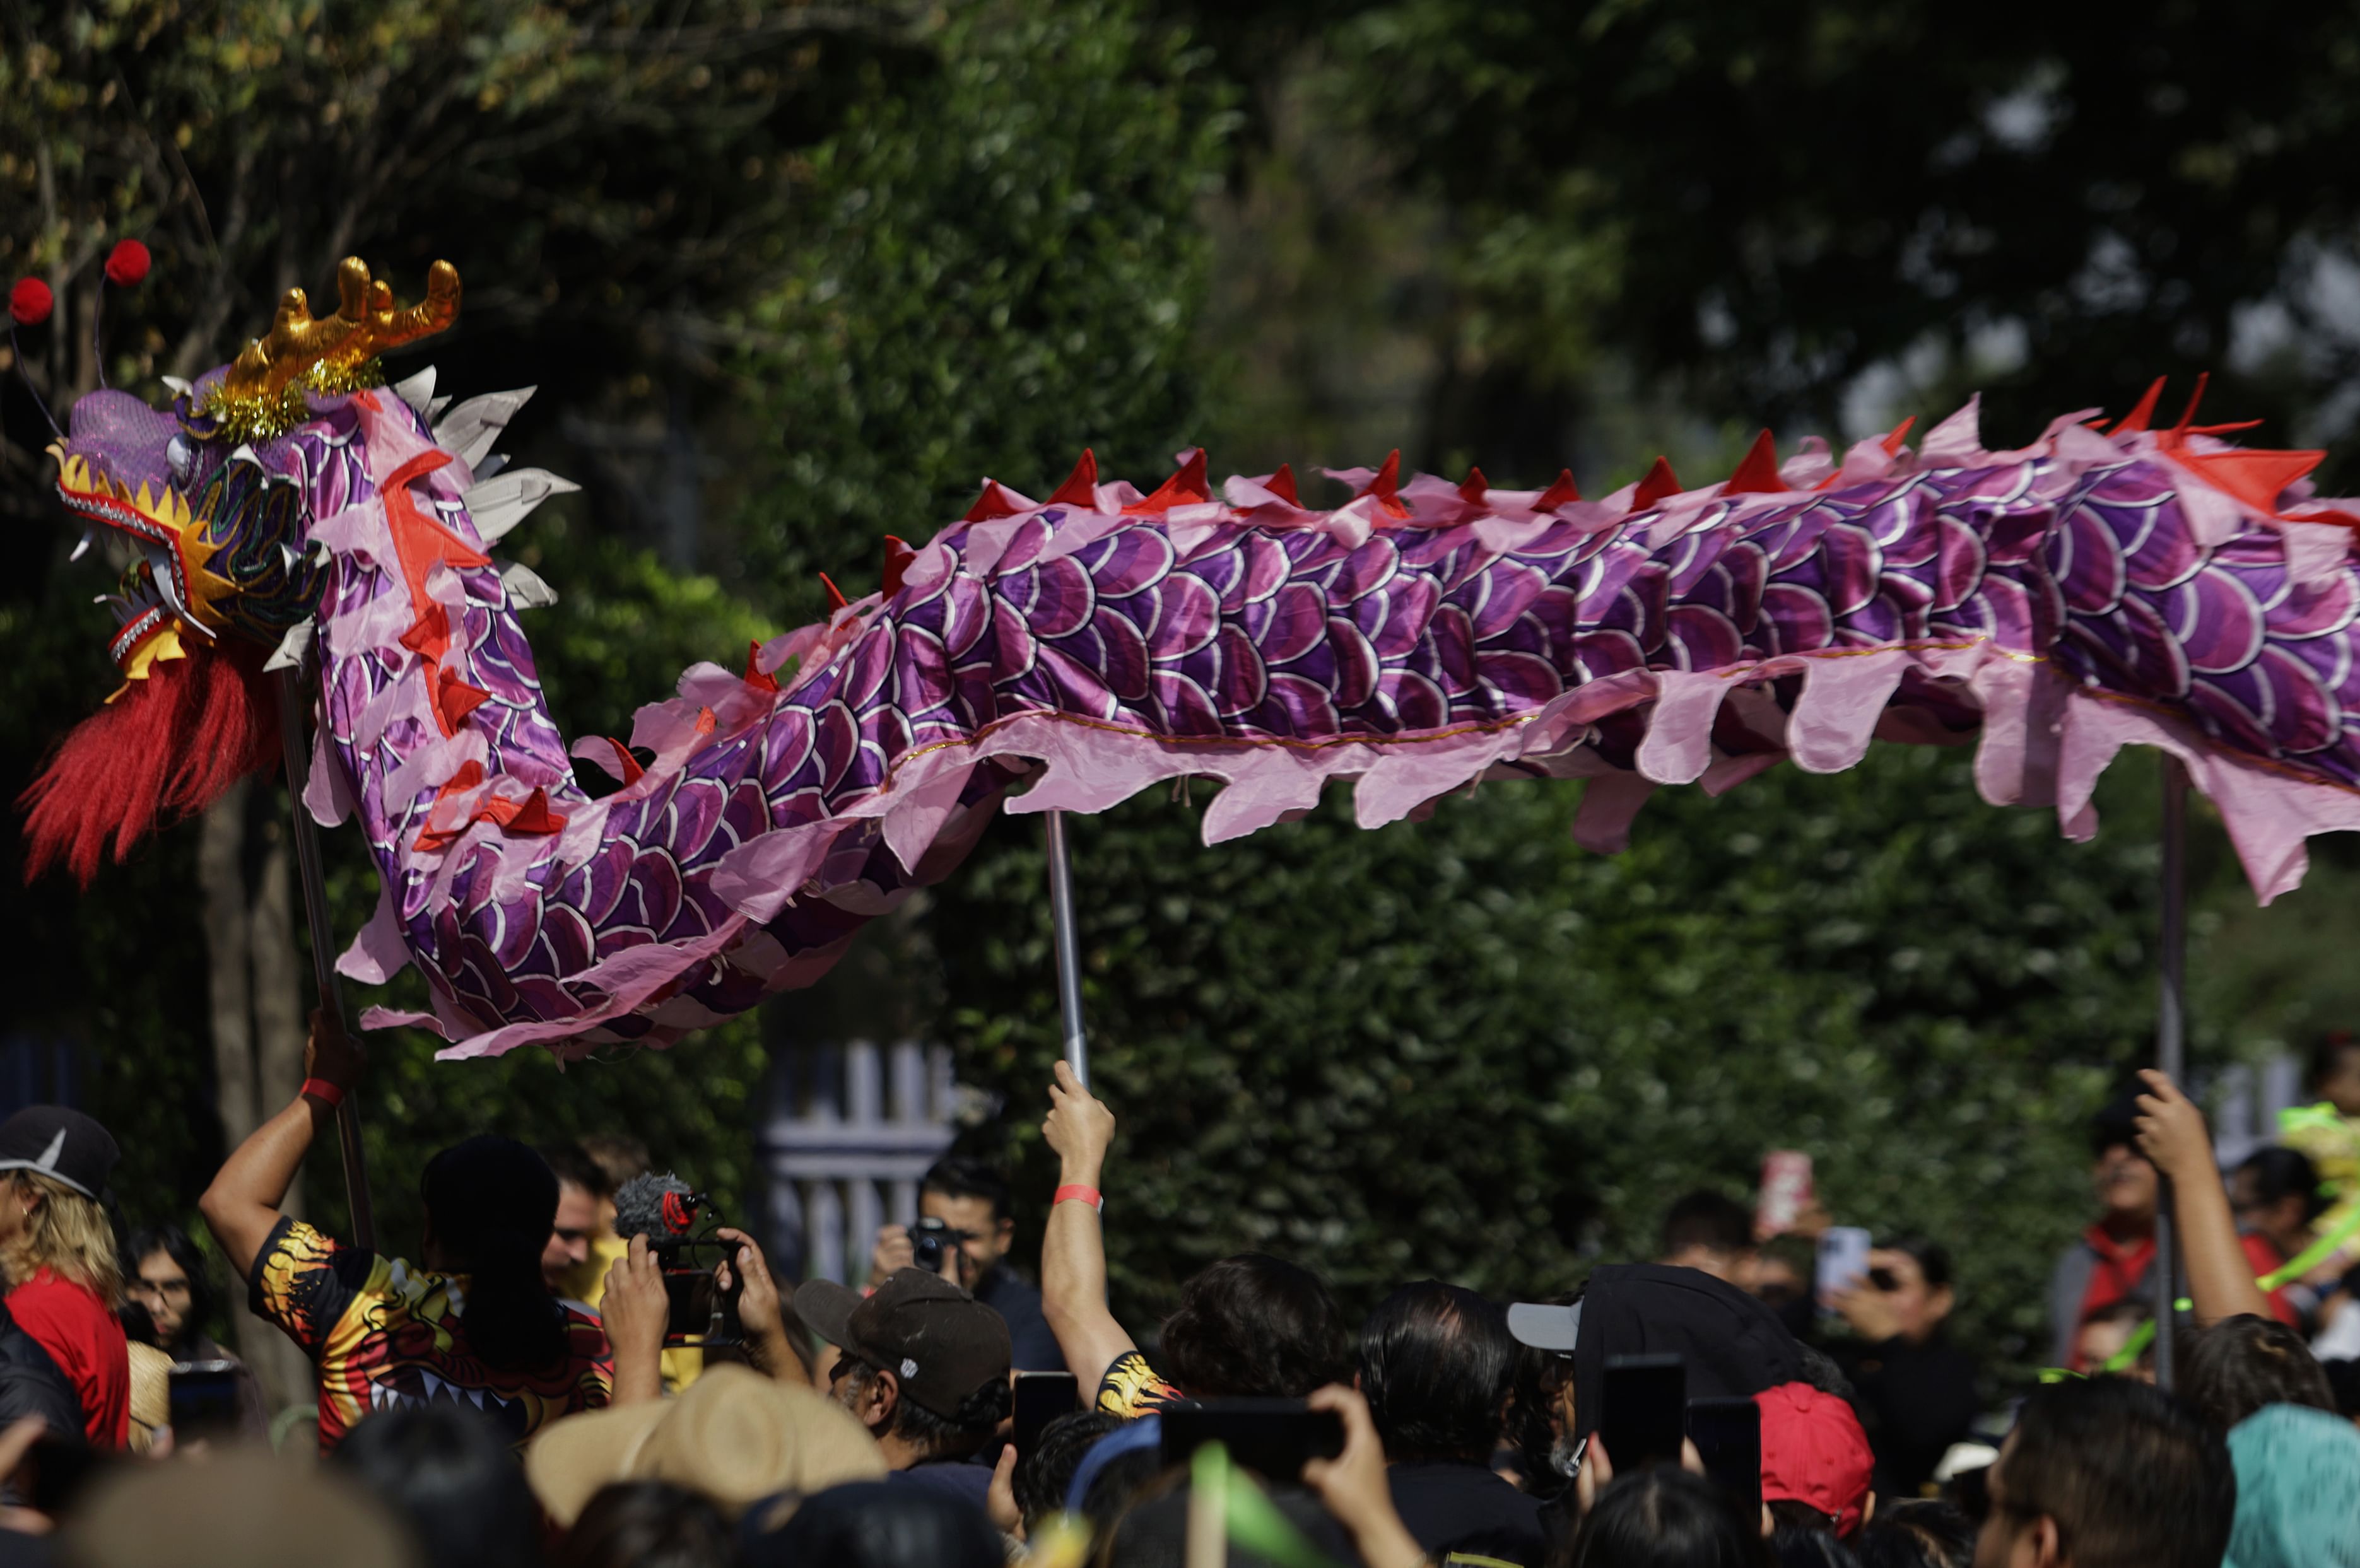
(2090, 591)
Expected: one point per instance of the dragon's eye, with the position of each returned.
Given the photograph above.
(181, 456)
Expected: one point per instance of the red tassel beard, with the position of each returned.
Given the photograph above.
(168, 747)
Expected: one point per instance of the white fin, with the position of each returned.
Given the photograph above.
(491, 465)
(468, 431)
(179, 388)
(293, 649)
(417, 390)
(526, 589)
(499, 505)
(287, 553)
(81, 546)
(435, 409)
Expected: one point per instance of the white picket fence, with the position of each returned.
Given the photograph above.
(2245, 1101)
(850, 1130)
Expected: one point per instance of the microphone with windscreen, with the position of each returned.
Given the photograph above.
(664, 1209)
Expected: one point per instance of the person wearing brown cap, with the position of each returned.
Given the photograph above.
(924, 1366)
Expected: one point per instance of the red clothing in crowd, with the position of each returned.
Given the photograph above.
(2120, 1270)
(86, 1341)
(2262, 1258)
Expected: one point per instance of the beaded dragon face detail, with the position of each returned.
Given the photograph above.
(213, 490)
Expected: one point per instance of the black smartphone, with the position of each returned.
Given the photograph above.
(1274, 1438)
(702, 1312)
(1643, 1411)
(1042, 1397)
(1728, 1435)
(203, 1400)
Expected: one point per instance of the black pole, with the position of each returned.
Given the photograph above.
(297, 754)
(2170, 1042)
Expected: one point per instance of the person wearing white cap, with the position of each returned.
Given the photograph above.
(58, 1247)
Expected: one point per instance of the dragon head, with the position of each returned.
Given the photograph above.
(217, 494)
(211, 492)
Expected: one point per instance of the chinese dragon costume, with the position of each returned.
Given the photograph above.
(2107, 584)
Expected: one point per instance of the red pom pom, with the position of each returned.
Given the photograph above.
(126, 263)
(29, 301)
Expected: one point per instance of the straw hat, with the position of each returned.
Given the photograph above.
(734, 1436)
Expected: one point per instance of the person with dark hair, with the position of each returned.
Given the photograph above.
(1044, 1475)
(1437, 1366)
(2275, 1199)
(447, 1470)
(969, 1197)
(580, 1189)
(2107, 1333)
(1666, 1518)
(1916, 1533)
(2105, 1473)
(924, 1366)
(2236, 1367)
(876, 1524)
(1247, 1325)
(164, 1274)
(1713, 1232)
(1914, 1390)
(476, 1322)
(2115, 1256)
(647, 1524)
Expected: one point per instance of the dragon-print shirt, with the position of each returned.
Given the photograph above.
(385, 1333)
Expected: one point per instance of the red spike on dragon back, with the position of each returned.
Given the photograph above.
(2086, 592)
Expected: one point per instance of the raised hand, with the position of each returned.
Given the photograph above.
(1079, 1126)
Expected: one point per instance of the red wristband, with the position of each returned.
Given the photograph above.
(320, 1089)
(1074, 1192)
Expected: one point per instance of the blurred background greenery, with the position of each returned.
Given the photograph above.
(793, 277)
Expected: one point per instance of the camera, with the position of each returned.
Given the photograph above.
(666, 1210)
(929, 1239)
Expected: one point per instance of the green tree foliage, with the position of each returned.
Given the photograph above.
(1765, 202)
(1002, 270)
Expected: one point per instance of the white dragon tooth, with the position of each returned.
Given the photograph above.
(286, 554)
(178, 384)
(418, 390)
(497, 504)
(526, 589)
(293, 649)
(320, 552)
(469, 431)
(81, 546)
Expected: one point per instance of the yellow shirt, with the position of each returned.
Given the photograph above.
(586, 1283)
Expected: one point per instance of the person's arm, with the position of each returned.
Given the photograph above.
(242, 1204)
(635, 1310)
(1353, 1486)
(1072, 1248)
(2171, 1132)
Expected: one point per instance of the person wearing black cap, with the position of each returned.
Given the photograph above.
(58, 1245)
(924, 1366)
(2114, 1260)
(476, 1325)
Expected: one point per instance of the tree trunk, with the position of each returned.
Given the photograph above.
(258, 1029)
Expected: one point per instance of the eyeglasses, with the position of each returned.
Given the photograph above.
(179, 1288)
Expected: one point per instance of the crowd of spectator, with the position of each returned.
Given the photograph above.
(519, 1387)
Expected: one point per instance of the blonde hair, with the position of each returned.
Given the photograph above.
(67, 1234)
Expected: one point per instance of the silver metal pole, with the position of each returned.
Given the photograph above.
(2170, 1042)
(298, 754)
(1069, 953)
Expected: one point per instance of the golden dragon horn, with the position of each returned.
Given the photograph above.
(367, 322)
